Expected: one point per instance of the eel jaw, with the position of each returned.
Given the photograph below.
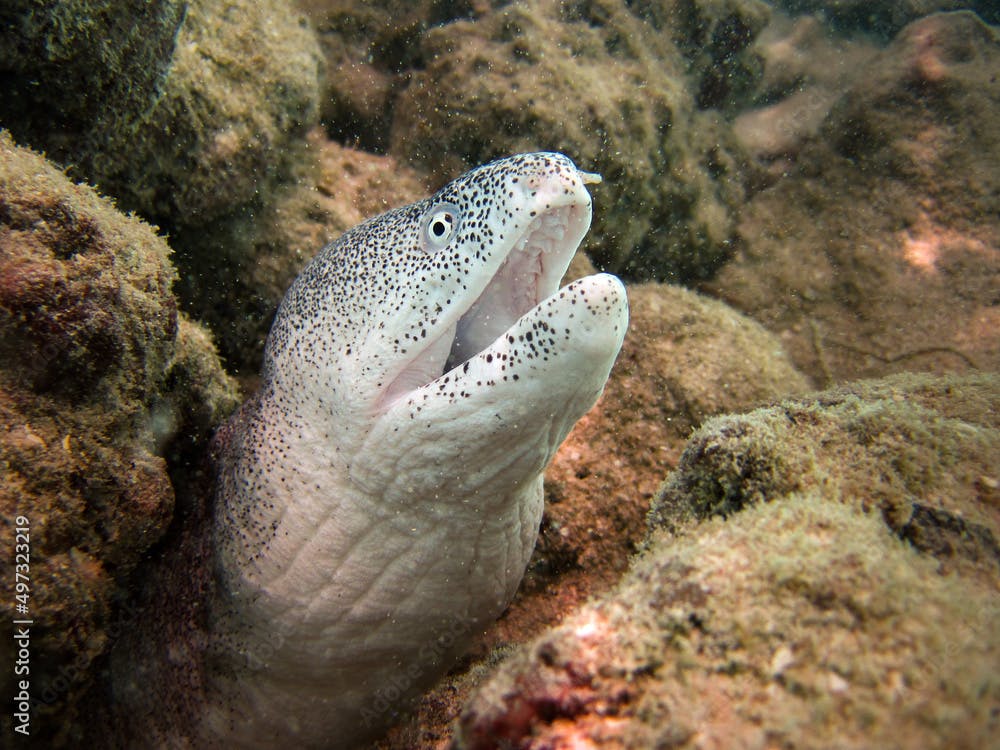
(528, 275)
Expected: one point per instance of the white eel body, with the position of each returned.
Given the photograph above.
(378, 500)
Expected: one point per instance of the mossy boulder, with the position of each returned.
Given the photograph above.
(919, 451)
(77, 75)
(818, 573)
(369, 47)
(800, 623)
(883, 18)
(181, 110)
(194, 115)
(878, 252)
(622, 90)
(806, 70)
(103, 386)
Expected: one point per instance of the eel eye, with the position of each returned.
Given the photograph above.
(439, 226)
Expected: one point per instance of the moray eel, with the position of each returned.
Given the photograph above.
(378, 500)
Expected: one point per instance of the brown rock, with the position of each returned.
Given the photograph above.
(884, 17)
(626, 91)
(881, 251)
(99, 380)
(800, 619)
(182, 111)
(917, 450)
(369, 48)
(806, 70)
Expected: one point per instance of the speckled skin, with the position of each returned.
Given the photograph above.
(373, 513)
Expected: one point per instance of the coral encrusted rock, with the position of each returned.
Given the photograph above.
(820, 573)
(880, 251)
(101, 381)
(631, 92)
(180, 110)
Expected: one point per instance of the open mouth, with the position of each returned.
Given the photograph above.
(528, 275)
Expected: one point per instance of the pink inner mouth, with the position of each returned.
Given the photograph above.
(529, 274)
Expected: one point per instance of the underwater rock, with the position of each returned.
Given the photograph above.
(368, 48)
(884, 17)
(806, 69)
(900, 118)
(372, 48)
(234, 272)
(916, 449)
(207, 139)
(880, 251)
(685, 358)
(632, 93)
(100, 380)
(802, 618)
(75, 77)
(182, 112)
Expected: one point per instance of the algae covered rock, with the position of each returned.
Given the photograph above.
(242, 89)
(885, 17)
(921, 451)
(369, 48)
(846, 595)
(614, 86)
(75, 77)
(181, 110)
(100, 381)
(806, 70)
(880, 251)
(193, 114)
(799, 624)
